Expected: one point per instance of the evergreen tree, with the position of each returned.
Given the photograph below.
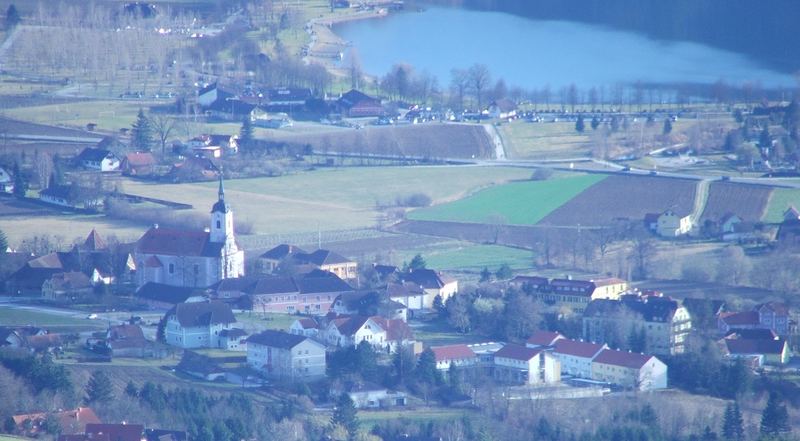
(504, 272)
(426, 371)
(99, 389)
(3, 242)
(246, 136)
(438, 306)
(765, 139)
(12, 17)
(20, 183)
(486, 275)
(344, 414)
(130, 390)
(417, 263)
(667, 126)
(775, 418)
(595, 123)
(141, 133)
(732, 423)
(579, 124)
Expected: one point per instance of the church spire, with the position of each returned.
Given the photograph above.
(221, 189)
(220, 205)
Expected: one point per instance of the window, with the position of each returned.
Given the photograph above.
(172, 268)
(196, 269)
(218, 225)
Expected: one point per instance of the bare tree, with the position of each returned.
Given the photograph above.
(479, 80)
(459, 82)
(162, 126)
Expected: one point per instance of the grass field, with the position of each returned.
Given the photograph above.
(465, 256)
(254, 322)
(328, 199)
(781, 199)
(68, 227)
(516, 203)
(543, 140)
(58, 323)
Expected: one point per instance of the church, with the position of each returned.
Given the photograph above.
(195, 259)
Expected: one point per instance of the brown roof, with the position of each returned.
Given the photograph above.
(746, 318)
(452, 352)
(125, 332)
(140, 159)
(70, 280)
(308, 323)
(115, 432)
(74, 420)
(544, 338)
(94, 242)
(577, 348)
(517, 352)
(195, 314)
(39, 342)
(631, 360)
(173, 242)
(350, 325)
(396, 329)
(745, 346)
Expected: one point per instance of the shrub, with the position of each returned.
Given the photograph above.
(542, 174)
(414, 200)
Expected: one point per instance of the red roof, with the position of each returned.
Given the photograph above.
(544, 338)
(740, 318)
(631, 360)
(396, 329)
(177, 243)
(308, 323)
(140, 159)
(517, 352)
(452, 352)
(153, 262)
(577, 348)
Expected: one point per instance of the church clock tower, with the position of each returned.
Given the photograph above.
(232, 264)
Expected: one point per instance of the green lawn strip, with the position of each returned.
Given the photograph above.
(472, 257)
(781, 199)
(254, 321)
(24, 317)
(515, 203)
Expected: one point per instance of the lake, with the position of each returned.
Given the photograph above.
(534, 53)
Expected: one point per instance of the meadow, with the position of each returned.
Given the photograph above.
(515, 203)
(470, 257)
(781, 199)
(58, 323)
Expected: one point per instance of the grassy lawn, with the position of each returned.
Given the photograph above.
(516, 203)
(109, 115)
(12, 438)
(369, 418)
(466, 256)
(254, 322)
(328, 199)
(781, 199)
(59, 323)
(68, 227)
(543, 140)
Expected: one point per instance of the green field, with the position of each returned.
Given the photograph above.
(464, 256)
(254, 321)
(59, 323)
(516, 203)
(556, 140)
(329, 199)
(781, 199)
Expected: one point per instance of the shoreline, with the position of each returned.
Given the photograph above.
(326, 47)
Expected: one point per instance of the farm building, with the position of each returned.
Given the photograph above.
(99, 159)
(355, 104)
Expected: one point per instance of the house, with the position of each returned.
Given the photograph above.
(268, 262)
(672, 224)
(200, 366)
(191, 258)
(28, 279)
(433, 283)
(459, 355)
(503, 108)
(109, 432)
(69, 421)
(409, 294)
(398, 334)
(287, 99)
(664, 322)
(728, 223)
(229, 109)
(211, 93)
(576, 294)
(630, 370)
(576, 356)
(233, 340)
(98, 159)
(529, 283)
(772, 349)
(368, 303)
(522, 365)
(127, 341)
(6, 181)
(138, 164)
(355, 104)
(193, 169)
(198, 324)
(326, 260)
(286, 356)
(543, 339)
(209, 152)
(161, 296)
(791, 214)
(372, 396)
(771, 315)
(16, 337)
(306, 326)
(67, 286)
(349, 331)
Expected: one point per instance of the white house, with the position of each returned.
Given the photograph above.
(457, 355)
(191, 258)
(281, 355)
(630, 370)
(370, 396)
(432, 283)
(519, 364)
(576, 356)
(99, 159)
(307, 327)
(351, 331)
(671, 224)
(503, 109)
(198, 324)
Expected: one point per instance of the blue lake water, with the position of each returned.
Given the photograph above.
(535, 53)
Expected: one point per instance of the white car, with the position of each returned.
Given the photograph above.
(91, 316)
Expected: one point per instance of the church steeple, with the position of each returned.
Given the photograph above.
(220, 206)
